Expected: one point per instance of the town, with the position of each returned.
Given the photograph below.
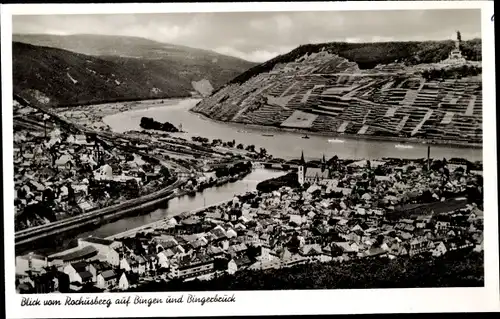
(62, 172)
(324, 211)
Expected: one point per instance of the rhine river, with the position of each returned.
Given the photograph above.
(282, 144)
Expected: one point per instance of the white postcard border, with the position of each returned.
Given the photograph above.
(272, 302)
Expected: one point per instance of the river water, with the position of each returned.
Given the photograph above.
(175, 206)
(286, 145)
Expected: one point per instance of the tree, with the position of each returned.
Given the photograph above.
(240, 146)
(165, 172)
(294, 244)
(335, 250)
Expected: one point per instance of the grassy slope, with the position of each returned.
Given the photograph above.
(138, 64)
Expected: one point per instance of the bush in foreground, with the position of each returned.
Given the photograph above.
(451, 271)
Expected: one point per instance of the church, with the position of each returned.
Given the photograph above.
(311, 175)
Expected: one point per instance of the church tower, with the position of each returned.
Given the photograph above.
(301, 174)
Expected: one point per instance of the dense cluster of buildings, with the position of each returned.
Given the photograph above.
(343, 211)
(59, 174)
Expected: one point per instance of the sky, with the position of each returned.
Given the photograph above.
(260, 36)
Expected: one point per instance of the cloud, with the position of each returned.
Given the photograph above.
(253, 56)
(284, 23)
(258, 36)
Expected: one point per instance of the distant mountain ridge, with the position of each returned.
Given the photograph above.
(369, 55)
(82, 69)
(123, 46)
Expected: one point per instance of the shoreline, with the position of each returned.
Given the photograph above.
(264, 128)
(143, 104)
(95, 113)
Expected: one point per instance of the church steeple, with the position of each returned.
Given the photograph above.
(302, 170)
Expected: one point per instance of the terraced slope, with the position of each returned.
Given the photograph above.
(324, 92)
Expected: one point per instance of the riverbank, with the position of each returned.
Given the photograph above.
(176, 204)
(268, 129)
(92, 115)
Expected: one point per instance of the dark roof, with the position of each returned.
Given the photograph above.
(243, 261)
(85, 275)
(238, 248)
(109, 274)
(196, 261)
(311, 250)
(95, 240)
(190, 221)
(85, 252)
(213, 250)
(101, 266)
(80, 266)
(219, 233)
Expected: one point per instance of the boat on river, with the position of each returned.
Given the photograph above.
(403, 146)
(305, 136)
(268, 135)
(335, 140)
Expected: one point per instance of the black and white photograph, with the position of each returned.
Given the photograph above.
(226, 151)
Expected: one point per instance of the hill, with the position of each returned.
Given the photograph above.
(144, 68)
(403, 90)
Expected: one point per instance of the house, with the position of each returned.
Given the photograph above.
(214, 251)
(418, 246)
(237, 264)
(186, 267)
(398, 249)
(65, 161)
(78, 272)
(442, 225)
(237, 250)
(31, 262)
(127, 280)
(107, 279)
(83, 277)
(74, 255)
(163, 260)
(374, 253)
(479, 246)
(311, 251)
(96, 267)
(439, 250)
(106, 248)
(129, 264)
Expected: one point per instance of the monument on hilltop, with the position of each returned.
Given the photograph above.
(455, 56)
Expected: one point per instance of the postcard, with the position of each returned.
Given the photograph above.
(249, 158)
